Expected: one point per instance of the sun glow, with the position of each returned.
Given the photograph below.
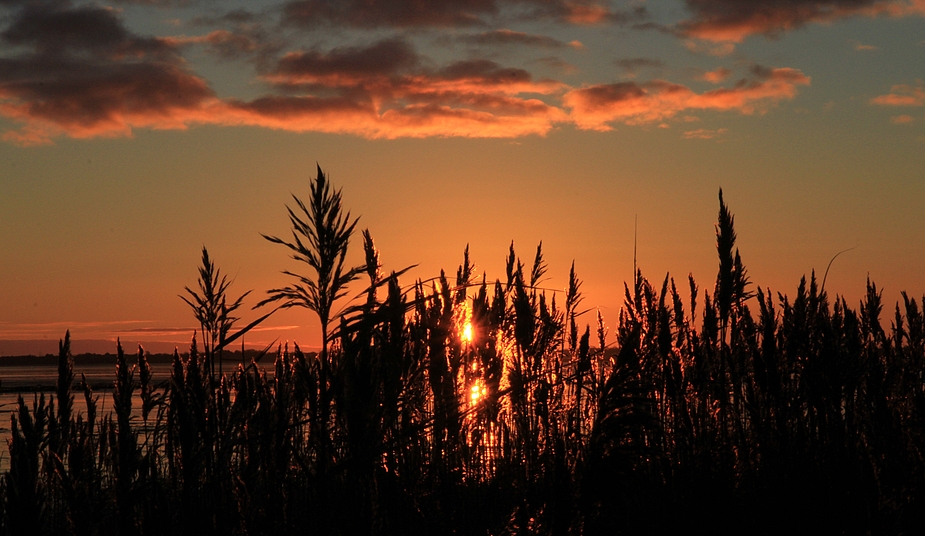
(463, 320)
(477, 392)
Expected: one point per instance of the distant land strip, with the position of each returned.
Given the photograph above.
(43, 347)
(31, 373)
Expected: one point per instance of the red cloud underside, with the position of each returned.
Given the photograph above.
(597, 107)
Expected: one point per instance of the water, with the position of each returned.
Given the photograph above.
(31, 381)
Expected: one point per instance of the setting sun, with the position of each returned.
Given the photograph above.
(467, 332)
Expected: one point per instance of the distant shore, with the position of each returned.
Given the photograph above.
(31, 373)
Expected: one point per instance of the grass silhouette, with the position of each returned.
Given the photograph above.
(475, 407)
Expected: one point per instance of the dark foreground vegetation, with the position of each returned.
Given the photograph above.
(462, 406)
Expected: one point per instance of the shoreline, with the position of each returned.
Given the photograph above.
(37, 374)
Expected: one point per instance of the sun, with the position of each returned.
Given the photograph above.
(463, 320)
(467, 332)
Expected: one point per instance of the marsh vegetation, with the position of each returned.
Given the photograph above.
(469, 406)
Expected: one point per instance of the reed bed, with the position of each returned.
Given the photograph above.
(463, 406)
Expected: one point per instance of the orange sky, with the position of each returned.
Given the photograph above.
(135, 133)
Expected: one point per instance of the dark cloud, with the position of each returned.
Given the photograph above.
(50, 29)
(760, 71)
(396, 13)
(391, 69)
(387, 90)
(733, 20)
(159, 3)
(232, 45)
(392, 66)
(88, 99)
(484, 71)
(510, 37)
(80, 71)
(283, 108)
(222, 43)
(240, 35)
(22, 3)
(447, 13)
(346, 65)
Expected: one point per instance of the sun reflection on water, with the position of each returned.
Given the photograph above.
(477, 392)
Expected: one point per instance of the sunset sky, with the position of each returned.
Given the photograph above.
(134, 133)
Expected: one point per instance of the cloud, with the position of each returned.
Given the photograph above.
(510, 37)
(77, 71)
(159, 331)
(51, 30)
(55, 330)
(84, 74)
(86, 99)
(236, 35)
(223, 43)
(446, 13)
(344, 66)
(389, 72)
(716, 76)
(391, 68)
(597, 107)
(235, 16)
(500, 118)
(734, 20)
(400, 13)
(902, 95)
(862, 47)
(382, 90)
(159, 3)
(901, 119)
(484, 75)
(703, 134)
(582, 11)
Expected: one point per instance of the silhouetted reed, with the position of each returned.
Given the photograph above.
(473, 407)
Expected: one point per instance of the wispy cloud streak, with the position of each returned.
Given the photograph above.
(597, 107)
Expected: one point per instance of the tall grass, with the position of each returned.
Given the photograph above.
(805, 416)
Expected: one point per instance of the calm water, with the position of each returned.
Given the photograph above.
(25, 380)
